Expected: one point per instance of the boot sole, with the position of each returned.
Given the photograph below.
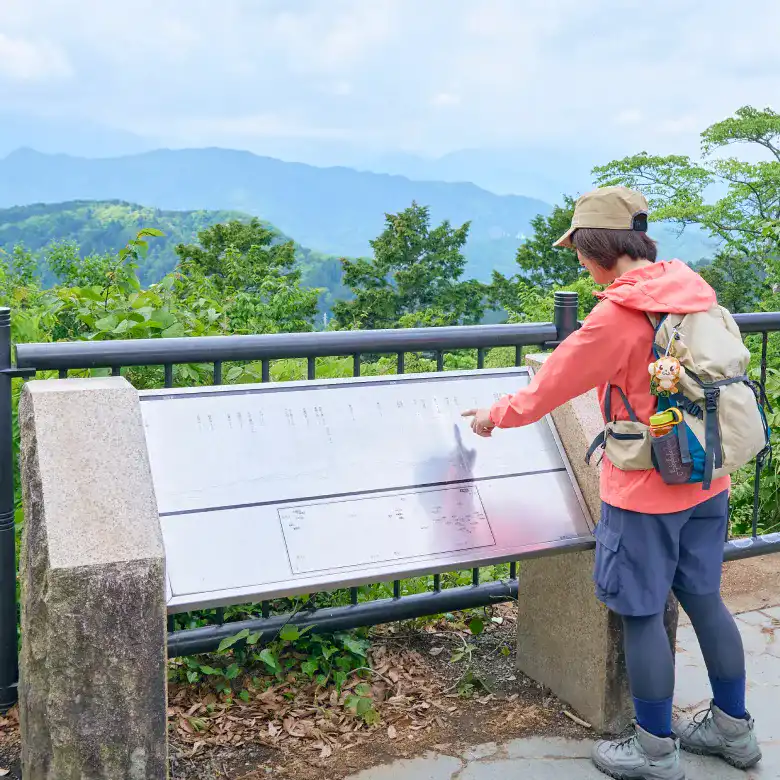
(735, 762)
(616, 775)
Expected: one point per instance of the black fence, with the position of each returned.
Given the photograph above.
(116, 355)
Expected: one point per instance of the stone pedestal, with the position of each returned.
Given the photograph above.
(566, 639)
(92, 669)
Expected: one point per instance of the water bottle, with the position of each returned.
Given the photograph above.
(666, 447)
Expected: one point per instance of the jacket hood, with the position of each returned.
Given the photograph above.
(668, 287)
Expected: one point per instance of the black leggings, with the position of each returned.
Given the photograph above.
(649, 656)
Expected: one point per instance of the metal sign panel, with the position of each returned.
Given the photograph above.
(288, 488)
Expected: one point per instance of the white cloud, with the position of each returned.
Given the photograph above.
(629, 116)
(334, 36)
(26, 60)
(593, 76)
(445, 99)
(205, 130)
(342, 88)
(681, 125)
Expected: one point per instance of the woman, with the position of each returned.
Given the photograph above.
(652, 537)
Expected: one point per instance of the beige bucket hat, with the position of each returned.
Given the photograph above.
(611, 208)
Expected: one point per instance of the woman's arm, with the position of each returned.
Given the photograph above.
(588, 358)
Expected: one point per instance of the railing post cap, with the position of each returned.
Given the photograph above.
(566, 297)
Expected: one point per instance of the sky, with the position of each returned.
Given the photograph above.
(331, 81)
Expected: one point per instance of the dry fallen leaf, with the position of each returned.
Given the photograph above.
(296, 714)
(5, 772)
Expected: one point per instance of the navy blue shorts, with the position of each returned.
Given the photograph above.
(640, 558)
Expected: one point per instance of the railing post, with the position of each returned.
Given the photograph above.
(8, 631)
(565, 317)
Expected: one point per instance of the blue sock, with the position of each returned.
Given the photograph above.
(655, 717)
(729, 696)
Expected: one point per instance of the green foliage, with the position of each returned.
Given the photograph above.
(743, 488)
(748, 125)
(239, 264)
(64, 260)
(542, 263)
(99, 229)
(74, 244)
(736, 282)
(414, 278)
(241, 666)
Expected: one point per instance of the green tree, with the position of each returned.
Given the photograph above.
(63, 259)
(542, 263)
(256, 280)
(736, 282)
(413, 279)
(20, 266)
(679, 188)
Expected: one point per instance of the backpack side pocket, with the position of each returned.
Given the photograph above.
(627, 445)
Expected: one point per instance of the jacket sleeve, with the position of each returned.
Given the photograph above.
(589, 358)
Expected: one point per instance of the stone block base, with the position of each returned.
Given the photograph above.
(92, 689)
(572, 644)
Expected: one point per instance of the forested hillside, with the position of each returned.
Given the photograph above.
(99, 228)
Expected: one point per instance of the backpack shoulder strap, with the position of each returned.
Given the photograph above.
(608, 404)
(656, 320)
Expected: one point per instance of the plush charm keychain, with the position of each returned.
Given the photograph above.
(664, 375)
(665, 372)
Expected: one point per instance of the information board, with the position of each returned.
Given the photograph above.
(288, 488)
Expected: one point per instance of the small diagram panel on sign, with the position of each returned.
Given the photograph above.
(375, 529)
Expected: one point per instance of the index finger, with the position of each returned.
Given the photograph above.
(468, 413)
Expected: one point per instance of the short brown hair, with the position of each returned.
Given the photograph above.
(605, 246)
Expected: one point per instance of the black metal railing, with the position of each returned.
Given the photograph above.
(217, 351)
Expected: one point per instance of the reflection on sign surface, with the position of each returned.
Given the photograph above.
(284, 488)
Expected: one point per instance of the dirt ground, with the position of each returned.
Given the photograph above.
(501, 705)
(429, 701)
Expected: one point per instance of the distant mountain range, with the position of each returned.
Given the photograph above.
(335, 211)
(545, 172)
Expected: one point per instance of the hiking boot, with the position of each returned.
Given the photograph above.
(713, 733)
(641, 756)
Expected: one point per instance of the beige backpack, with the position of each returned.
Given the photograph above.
(722, 425)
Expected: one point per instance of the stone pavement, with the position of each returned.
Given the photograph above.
(541, 758)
